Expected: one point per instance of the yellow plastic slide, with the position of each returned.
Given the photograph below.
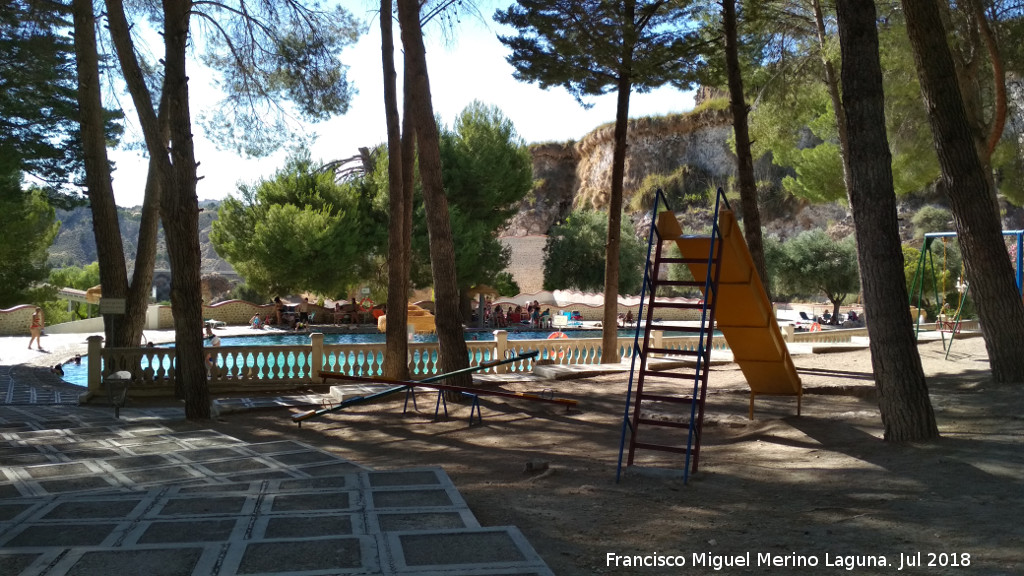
(743, 313)
(421, 320)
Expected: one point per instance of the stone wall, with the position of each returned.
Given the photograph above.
(16, 321)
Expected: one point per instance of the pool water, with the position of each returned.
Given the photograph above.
(79, 374)
(302, 339)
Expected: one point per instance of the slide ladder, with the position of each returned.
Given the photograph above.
(665, 410)
(723, 270)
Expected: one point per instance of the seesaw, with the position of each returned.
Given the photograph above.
(409, 385)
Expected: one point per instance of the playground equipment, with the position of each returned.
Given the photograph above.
(408, 386)
(926, 264)
(419, 319)
(723, 270)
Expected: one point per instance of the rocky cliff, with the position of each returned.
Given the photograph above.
(578, 174)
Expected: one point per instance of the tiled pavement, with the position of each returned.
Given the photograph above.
(82, 493)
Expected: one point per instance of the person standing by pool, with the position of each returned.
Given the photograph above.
(36, 329)
(278, 309)
(304, 310)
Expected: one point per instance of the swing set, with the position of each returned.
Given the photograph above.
(926, 264)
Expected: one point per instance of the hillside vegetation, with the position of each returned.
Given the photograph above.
(75, 244)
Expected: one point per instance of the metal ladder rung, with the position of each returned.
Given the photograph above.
(671, 328)
(687, 261)
(681, 283)
(667, 374)
(664, 423)
(677, 305)
(661, 447)
(664, 398)
(671, 352)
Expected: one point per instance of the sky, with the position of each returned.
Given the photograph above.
(470, 67)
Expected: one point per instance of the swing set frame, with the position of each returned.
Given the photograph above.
(926, 263)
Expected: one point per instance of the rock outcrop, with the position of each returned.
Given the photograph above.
(578, 174)
(657, 145)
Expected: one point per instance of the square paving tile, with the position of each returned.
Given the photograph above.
(269, 474)
(215, 488)
(8, 449)
(9, 491)
(410, 498)
(459, 548)
(235, 466)
(93, 509)
(316, 483)
(135, 462)
(57, 470)
(306, 502)
(26, 459)
(80, 484)
(16, 563)
(206, 454)
(155, 447)
(301, 555)
(187, 531)
(165, 474)
(163, 562)
(91, 453)
(211, 505)
(403, 478)
(69, 534)
(398, 522)
(10, 510)
(308, 527)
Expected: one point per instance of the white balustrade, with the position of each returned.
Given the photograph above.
(266, 367)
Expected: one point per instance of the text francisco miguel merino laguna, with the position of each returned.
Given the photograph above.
(793, 560)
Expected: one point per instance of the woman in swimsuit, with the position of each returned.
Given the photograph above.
(36, 329)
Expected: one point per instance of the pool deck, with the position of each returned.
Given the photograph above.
(83, 492)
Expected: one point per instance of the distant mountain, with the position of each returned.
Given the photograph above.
(75, 244)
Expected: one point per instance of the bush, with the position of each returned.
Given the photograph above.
(931, 219)
(684, 188)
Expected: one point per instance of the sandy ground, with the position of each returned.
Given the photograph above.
(816, 494)
(821, 490)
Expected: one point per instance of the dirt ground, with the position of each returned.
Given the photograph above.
(816, 494)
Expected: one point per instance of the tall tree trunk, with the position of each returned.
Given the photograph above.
(454, 354)
(609, 321)
(744, 157)
(396, 362)
(121, 330)
(964, 178)
(179, 205)
(408, 172)
(179, 210)
(899, 378)
(109, 250)
(145, 256)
